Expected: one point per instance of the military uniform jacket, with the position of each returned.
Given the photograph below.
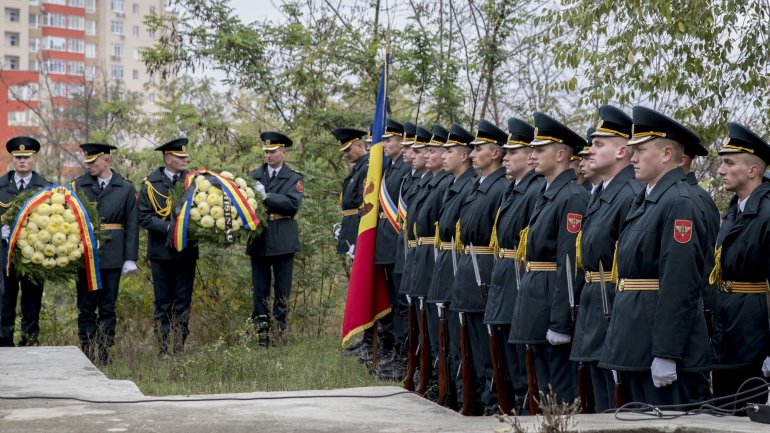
(710, 215)
(542, 302)
(116, 205)
(741, 337)
(284, 196)
(9, 191)
(352, 197)
(515, 209)
(477, 217)
(387, 236)
(426, 207)
(160, 227)
(409, 190)
(601, 229)
(443, 272)
(659, 240)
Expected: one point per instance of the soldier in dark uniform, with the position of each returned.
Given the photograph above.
(392, 326)
(740, 344)
(115, 199)
(455, 161)
(477, 217)
(609, 158)
(657, 339)
(173, 272)
(709, 214)
(352, 196)
(21, 178)
(423, 215)
(353, 149)
(591, 179)
(541, 315)
(511, 217)
(272, 252)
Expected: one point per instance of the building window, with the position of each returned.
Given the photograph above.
(75, 3)
(135, 54)
(151, 33)
(55, 66)
(34, 45)
(135, 74)
(152, 10)
(56, 2)
(75, 68)
(34, 21)
(116, 27)
(135, 8)
(116, 51)
(55, 20)
(90, 6)
(34, 2)
(55, 43)
(90, 51)
(91, 28)
(22, 118)
(11, 63)
(75, 45)
(151, 98)
(76, 22)
(11, 39)
(117, 72)
(12, 15)
(117, 6)
(90, 72)
(34, 65)
(135, 30)
(23, 92)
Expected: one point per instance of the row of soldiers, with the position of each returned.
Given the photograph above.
(524, 280)
(122, 211)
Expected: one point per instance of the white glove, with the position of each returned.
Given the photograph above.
(6, 231)
(766, 367)
(260, 189)
(337, 229)
(615, 375)
(663, 372)
(557, 338)
(129, 266)
(352, 251)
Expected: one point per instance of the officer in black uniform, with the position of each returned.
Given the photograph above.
(392, 327)
(740, 344)
(657, 339)
(609, 158)
(21, 178)
(425, 208)
(173, 272)
(457, 162)
(541, 314)
(354, 150)
(591, 179)
(272, 252)
(115, 199)
(511, 217)
(477, 217)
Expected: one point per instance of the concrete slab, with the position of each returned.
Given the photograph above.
(27, 374)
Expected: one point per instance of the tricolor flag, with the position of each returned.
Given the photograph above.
(368, 299)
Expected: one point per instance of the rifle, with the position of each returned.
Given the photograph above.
(469, 397)
(620, 392)
(425, 367)
(497, 367)
(411, 339)
(620, 387)
(443, 359)
(531, 382)
(585, 389)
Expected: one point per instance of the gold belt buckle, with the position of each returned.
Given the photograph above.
(588, 276)
(621, 284)
(726, 286)
(529, 266)
(501, 253)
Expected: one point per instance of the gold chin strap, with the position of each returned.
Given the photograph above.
(161, 211)
(494, 243)
(579, 250)
(521, 250)
(614, 272)
(716, 274)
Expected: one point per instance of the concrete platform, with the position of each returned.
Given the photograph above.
(58, 372)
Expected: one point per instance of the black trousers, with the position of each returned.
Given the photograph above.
(393, 326)
(603, 385)
(690, 387)
(31, 303)
(554, 368)
(173, 285)
(96, 310)
(455, 360)
(432, 311)
(482, 360)
(265, 270)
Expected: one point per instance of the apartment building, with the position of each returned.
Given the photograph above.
(52, 48)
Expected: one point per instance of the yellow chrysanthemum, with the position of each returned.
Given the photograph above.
(57, 198)
(58, 238)
(207, 221)
(49, 250)
(57, 209)
(195, 214)
(221, 223)
(216, 212)
(204, 209)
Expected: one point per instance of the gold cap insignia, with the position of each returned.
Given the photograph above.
(22, 147)
(267, 142)
(184, 148)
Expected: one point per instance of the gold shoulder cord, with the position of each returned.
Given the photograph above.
(494, 243)
(161, 211)
(6, 205)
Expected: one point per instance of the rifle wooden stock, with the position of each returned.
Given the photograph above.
(497, 367)
(425, 367)
(620, 393)
(585, 390)
(469, 397)
(411, 337)
(443, 359)
(531, 382)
